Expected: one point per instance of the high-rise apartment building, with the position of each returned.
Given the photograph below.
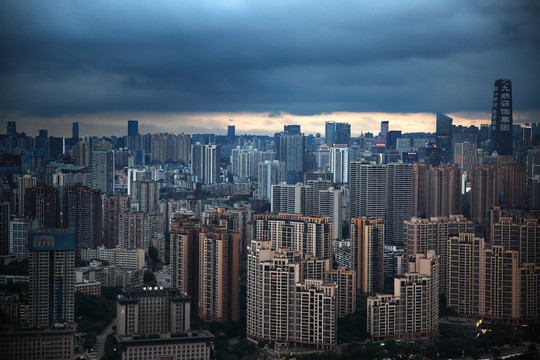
(285, 304)
(82, 212)
(18, 237)
(113, 206)
(211, 173)
(145, 195)
(436, 190)
(82, 153)
(484, 190)
(398, 200)
(51, 295)
(23, 183)
(339, 164)
(304, 234)
(346, 296)
(5, 214)
(501, 118)
(42, 203)
(367, 186)
(103, 171)
(270, 173)
(423, 235)
(218, 274)
(465, 155)
(290, 199)
(444, 137)
(184, 253)
(413, 311)
(330, 203)
(289, 147)
(367, 248)
(245, 161)
(136, 228)
(514, 183)
(491, 282)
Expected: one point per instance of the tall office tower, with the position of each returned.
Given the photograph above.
(184, 148)
(330, 203)
(280, 294)
(5, 214)
(133, 128)
(23, 183)
(484, 192)
(330, 133)
(322, 157)
(383, 136)
(346, 282)
(135, 229)
(413, 311)
(399, 200)
(103, 171)
(423, 235)
(231, 132)
(501, 118)
(218, 275)
(82, 213)
(75, 132)
(367, 186)
(211, 164)
(444, 137)
(392, 138)
(114, 205)
(197, 162)
(307, 235)
(290, 199)
(184, 253)
(343, 134)
(152, 311)
(270, 173)
(18, 236)
(289, 147)
(339, 164)
(82, 153)
(465, 155)
(42, 202)
(514, 184)
(51, 295)
(367, 248)
(145, 195)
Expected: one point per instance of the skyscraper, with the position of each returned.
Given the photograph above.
(4, 227)
(103, 171)
(484, 190)
(339, 164)
(211, 164)
(270, 173)
(75, 132)
(367, 186)
(289, 147)
(501, 118)
(398, 200)
(444, 137)
(367, 247)
(51, 294)
(133, 128)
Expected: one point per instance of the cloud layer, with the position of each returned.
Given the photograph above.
(68, 58)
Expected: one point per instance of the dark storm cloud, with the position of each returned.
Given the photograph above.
(304, 57)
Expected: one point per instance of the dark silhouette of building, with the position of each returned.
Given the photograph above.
(501, 118)
(444, 137)
(133, 128)
(75, 132)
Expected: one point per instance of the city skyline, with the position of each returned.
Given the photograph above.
(193, 67)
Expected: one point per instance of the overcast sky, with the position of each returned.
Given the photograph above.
(196, 66)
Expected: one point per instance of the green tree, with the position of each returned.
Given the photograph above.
(149, 278)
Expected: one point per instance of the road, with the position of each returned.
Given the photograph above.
(99, 347)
